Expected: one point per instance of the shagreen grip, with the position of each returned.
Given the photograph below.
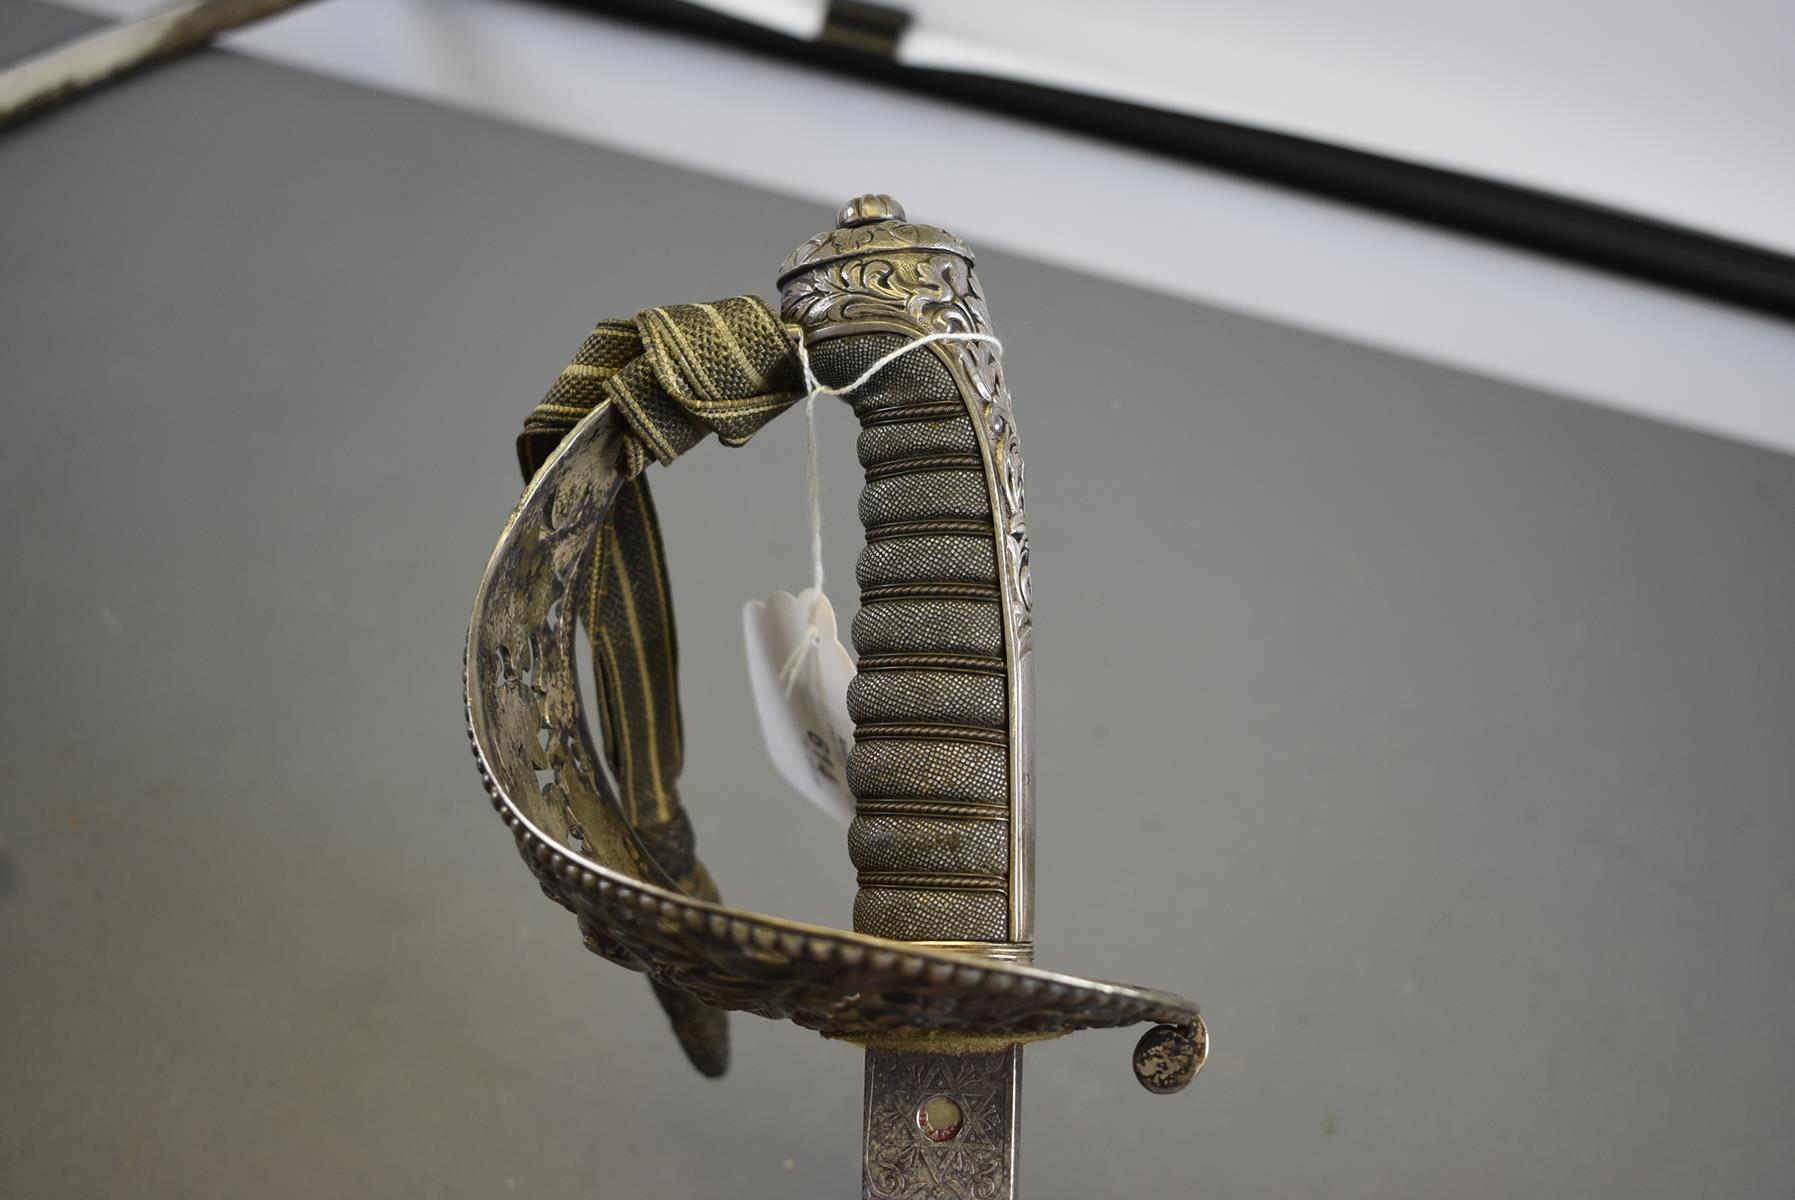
(943, 835)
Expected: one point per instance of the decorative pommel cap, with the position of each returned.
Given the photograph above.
(864, 210)
(870, 225)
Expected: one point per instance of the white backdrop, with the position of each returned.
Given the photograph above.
(1670, 108)
(1673, 109)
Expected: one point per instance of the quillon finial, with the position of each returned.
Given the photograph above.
(1168, 1057)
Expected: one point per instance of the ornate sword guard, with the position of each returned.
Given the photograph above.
(939, 958)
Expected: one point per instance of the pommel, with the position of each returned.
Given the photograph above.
(867, 227)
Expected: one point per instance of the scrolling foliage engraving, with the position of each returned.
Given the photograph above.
(974, 1164)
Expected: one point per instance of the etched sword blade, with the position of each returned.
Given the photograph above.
(941, 1125)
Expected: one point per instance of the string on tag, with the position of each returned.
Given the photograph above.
(814, 387)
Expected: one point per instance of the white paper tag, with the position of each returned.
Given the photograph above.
(800, 681)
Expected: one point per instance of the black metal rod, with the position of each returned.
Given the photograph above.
(1589, 234)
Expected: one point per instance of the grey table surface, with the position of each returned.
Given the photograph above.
(1435, 734)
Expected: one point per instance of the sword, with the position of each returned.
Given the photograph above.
(936, 980)
(97, 58)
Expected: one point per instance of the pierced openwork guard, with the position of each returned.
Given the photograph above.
(935, 980)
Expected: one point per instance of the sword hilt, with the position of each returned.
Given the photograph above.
(943, 766)
(943, 833)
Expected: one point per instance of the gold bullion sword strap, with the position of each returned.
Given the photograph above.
(675, 374)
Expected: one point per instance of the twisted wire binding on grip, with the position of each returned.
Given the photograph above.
(931, 837)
